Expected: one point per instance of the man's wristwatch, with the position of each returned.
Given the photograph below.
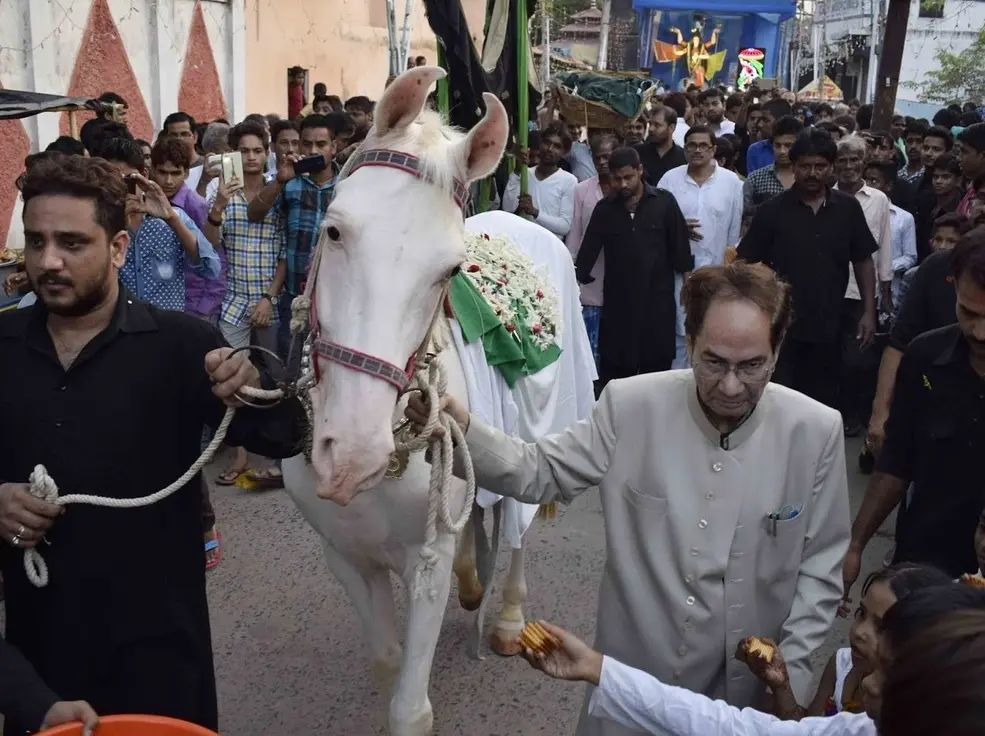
(217, 222)
(268, 297)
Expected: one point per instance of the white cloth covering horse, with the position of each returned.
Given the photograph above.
(391, 239)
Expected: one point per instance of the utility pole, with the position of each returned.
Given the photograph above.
(890, 63)
(404, 50)
(870, 85)
(393, 42)
(604, 35)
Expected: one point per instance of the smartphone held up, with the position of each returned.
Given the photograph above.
(310, 165)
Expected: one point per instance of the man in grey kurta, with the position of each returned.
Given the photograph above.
(695, 564)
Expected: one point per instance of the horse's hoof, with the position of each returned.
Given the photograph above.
(420, 723)
(504, 645)
(470, 603)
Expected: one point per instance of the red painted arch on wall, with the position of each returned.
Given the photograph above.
(15, 145)
(102, 65)
(200, 92)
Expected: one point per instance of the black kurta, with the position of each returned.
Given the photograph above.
(124, 620)
(642, 254)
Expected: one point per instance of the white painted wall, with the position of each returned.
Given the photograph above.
(925, 36)
(40, 39)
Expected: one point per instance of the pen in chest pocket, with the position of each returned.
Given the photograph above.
(786, 513)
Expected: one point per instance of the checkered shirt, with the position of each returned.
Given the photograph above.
(252, 251)
(759, 186)
(302, 205)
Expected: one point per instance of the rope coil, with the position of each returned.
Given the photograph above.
(432, 382)
(43, 487)
(429, 378)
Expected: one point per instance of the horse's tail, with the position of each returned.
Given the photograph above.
(486, 554)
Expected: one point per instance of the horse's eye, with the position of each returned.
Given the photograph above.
(333, 233)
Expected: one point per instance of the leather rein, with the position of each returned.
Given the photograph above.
(351, 358)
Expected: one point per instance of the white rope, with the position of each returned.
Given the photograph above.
(432, 383)
(43, 486)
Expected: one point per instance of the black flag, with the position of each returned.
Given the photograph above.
(471, 73)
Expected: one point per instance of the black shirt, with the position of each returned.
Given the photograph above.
(24, 697)
(642, 254)
(655, 165)
(124, 620)
(935, 438)
(929, 303)
(925, 211)
(812, 252)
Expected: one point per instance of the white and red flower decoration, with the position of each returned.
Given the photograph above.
(514, 287)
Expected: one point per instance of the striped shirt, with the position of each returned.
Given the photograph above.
(301, 205)
(252, 251)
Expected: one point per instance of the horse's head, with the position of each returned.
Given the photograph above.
(390, 241)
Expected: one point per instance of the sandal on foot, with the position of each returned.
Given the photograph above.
(216, 545)
(268, 479)
(229, 476)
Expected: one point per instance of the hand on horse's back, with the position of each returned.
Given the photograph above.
(418, 409)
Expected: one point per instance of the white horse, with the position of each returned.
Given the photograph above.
(391, 240)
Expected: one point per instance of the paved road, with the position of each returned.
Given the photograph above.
(289, 652)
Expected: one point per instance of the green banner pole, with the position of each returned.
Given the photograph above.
(443, 98)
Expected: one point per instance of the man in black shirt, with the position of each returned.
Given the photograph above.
(111, 395)
(935, 437)
(645, 237)
(927, 303)
(659, 154)
(810, 235)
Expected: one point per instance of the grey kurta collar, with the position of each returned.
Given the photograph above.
(727, 441)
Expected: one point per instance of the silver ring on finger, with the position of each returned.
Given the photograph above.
(21, 531)
(16, 541)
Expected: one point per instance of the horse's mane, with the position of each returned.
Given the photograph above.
(430, 140)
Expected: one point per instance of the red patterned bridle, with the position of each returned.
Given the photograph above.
(353, 359)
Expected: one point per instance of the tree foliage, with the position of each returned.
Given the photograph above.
(958, 76)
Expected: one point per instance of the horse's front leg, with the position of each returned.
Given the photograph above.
(469, 587)
(410, 710)
(505, 636)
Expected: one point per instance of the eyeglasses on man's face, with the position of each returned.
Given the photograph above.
(700, 147)
(756, 371)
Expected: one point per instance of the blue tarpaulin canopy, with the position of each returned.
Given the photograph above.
(777, 9)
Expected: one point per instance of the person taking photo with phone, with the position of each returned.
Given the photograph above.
(164, 241)
(300, 194)
(248, 314)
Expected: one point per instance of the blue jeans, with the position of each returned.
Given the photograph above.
(592, 315)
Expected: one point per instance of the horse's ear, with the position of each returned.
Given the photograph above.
(483, 148)
(403, 100)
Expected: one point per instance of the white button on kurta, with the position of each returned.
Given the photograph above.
(717, 467)
(702, 524)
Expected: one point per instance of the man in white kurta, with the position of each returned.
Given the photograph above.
(711, 197)
(695, 561)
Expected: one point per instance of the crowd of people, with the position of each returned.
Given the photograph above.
(819, 277)
(808, 275)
